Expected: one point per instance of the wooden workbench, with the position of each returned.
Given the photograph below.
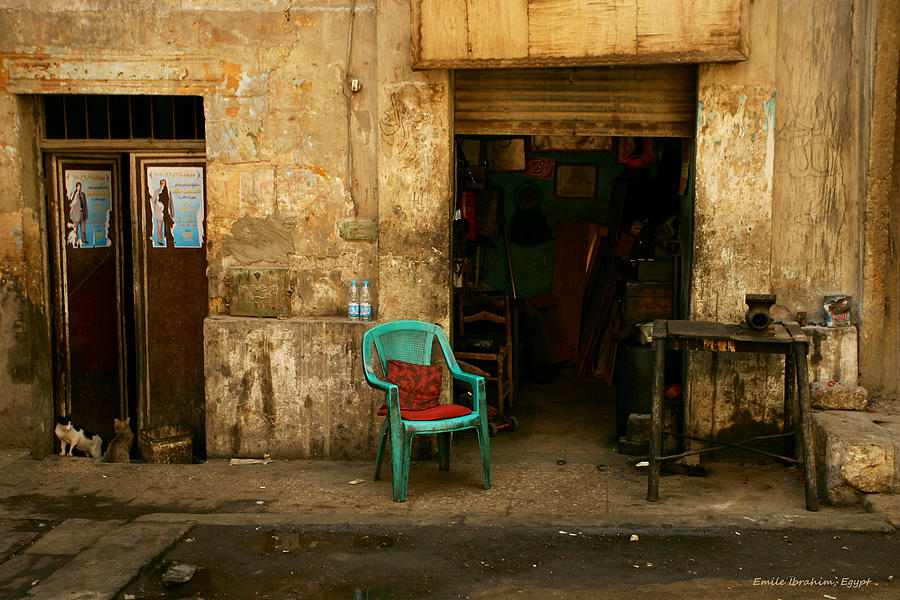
(704, 336)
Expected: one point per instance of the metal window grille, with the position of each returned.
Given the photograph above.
(99, 117)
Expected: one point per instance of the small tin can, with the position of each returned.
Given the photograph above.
(837, 311)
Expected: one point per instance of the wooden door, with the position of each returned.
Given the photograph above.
(86, 224)
(171, 290)
(130, 290)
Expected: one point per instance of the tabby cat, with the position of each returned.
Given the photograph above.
(120, 446)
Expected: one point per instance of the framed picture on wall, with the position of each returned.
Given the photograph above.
(576, 181)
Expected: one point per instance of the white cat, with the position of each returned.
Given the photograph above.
(76, 438)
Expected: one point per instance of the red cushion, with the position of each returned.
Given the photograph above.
(420, 385)
(441, 411)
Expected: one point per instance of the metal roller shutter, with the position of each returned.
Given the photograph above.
(635, 101)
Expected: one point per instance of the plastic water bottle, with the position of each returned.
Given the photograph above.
(365, 303)
(353, 302)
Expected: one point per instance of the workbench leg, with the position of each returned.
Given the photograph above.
(806, 430)
(656, 402)
(793, 445)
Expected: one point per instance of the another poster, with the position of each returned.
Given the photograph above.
(175, 195)
(87, 207)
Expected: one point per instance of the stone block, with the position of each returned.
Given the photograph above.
(854, 456)
(639, 428)
(103, 569)
(832, 354)
(840, 396)
(72, 536)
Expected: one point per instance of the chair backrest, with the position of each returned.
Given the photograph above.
(407, 341)
(485, 311)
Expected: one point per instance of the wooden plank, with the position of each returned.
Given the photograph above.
(546, 33)
(446, 24)
(575, 240)
(691, 25)
(806, 427)
(581, 27)
(497, 28)
(656, 426)
(698, 329)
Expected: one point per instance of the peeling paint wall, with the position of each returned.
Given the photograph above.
(817, 200)
(280, 122)
(735, 152)
(880, 299)
(292, 157)
(24, 343)
(779, 193)
(414, 142)
(282, 388)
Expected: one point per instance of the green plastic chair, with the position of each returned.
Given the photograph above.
(411, 342)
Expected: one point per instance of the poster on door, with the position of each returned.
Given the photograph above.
(88, 205)
(175, 197)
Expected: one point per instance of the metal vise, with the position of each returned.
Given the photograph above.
(758, 316)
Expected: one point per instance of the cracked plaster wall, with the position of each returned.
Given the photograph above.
(778, 194)
(291, 154)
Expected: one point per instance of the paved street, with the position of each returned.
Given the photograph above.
(78, 529)
(513, 562)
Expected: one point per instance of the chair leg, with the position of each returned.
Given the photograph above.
(397, 470)
(382, 441)
(404, 469)
(443, 440)
(484, 445)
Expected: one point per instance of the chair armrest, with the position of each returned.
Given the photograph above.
(461, 375)
(377, 383)
(384, 386)
(479, 397)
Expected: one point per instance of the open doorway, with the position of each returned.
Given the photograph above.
(574, 199)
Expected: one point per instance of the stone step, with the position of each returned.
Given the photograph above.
(91, 559)
(886, 505)
(857, 453)
(838, 396)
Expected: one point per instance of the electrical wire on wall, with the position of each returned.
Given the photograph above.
(350, 86)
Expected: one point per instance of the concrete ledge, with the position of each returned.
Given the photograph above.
(290, 388)
(840, 396)
(855, 455)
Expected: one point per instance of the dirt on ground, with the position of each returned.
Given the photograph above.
(497, 562)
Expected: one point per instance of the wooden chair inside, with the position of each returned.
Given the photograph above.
(484, 335)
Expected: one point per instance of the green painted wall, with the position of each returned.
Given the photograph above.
(533, 265)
